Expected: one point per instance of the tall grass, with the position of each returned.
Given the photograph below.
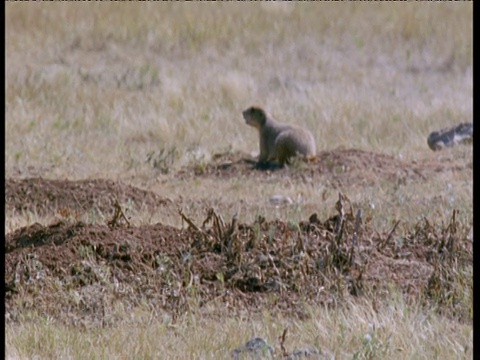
(111, 82)
(356, 330)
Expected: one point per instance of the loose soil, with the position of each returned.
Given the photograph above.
(81, 273)
(44, 196)
(340, 167)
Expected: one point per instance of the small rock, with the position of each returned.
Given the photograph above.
(257, 348)
(311, 353)
(280, 200)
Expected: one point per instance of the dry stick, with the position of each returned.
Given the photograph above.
(118, 215)
(189, 222)
(78, 202)
(272, 261)
(357, 225)
(355, 236)
(336, 241)
(219, 226)
(452, 227)
(209, 217)
(299, 245)
(122, 214)
(232, 233)
(384, 243)
(282, 343)
(341, 211)
(233, 225)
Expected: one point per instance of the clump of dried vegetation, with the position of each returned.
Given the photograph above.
(90, 275)
(309, 261)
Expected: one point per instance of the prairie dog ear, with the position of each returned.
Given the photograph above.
(257, 109)
(257, 112)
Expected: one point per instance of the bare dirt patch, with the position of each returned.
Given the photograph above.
(46, 196)
(340, 167)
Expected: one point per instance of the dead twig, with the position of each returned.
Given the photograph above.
(189, 222)
(357, 226)
(282, 343)
(355, 236)
(341, 213)
(118, 215)
(452, 229)
(390, 234)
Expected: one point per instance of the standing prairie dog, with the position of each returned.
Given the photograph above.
(279, 142)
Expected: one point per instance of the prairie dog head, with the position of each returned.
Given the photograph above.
(255, 116)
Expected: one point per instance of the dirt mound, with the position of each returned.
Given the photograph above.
(79, 273)
(340, 167)
(47, 196)
(351, 166)
(337, 168)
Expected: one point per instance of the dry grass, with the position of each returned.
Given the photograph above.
(180, 77)
(354, 331)
(102, 98)
(94, 90)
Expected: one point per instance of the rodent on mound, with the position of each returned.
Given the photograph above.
(279, 142)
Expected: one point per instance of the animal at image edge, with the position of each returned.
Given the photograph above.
(279, 142)
(451, 136)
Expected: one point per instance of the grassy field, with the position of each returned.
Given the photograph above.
(101, 90)
(358, 331)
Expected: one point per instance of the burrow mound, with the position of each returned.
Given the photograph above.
(79, 273)
(47, 196)
(337, 168)
(340, 167)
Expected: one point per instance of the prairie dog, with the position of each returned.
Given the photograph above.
(279, 142)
